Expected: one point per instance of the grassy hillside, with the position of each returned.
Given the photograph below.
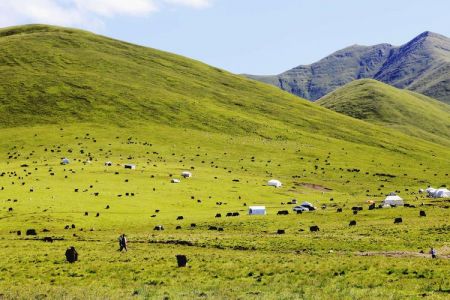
(73, 94)
(381, 104)
(59, 75)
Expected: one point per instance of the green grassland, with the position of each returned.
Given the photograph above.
(227, 264)
(73, 94)
(406, 111)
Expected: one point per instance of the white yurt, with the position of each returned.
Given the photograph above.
(308, 205)
(186, 174)
(438, 193)
(257, 210)
(393, 200)
(442, 193)
(275, 183)
(430, 191)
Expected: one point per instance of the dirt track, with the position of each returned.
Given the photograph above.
(444, 255)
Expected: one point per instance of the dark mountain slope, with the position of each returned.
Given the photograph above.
(421, 65)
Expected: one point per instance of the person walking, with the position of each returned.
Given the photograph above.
(123, 243)
(433, 253)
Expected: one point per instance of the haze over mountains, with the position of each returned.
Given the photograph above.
(421, 65)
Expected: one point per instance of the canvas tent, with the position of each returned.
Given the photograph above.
(275, 183)
(65, 161)
(130, 166)
(186, 174)
(257, 210)
(393, 200)
(308, 205)
(438, 193)
(442, 193)
(175, 180)
(430, 191)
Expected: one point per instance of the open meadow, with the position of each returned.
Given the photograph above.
(71, 94)
(239, 257)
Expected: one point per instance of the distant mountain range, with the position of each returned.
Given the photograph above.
(421, 65)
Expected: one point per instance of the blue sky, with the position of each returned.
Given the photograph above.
(242, 36)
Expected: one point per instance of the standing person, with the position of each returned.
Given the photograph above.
(71, 255)
(433, 253)
(123, 243)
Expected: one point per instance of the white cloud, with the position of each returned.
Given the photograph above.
(191, 3)
(110, 8)
(81, 13)
(38, 11)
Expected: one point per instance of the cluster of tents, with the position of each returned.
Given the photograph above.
(391, 200)
(184, 174)
(261, 210)
(394, 200)
(438, 193)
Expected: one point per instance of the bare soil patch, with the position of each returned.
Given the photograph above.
(313, 186)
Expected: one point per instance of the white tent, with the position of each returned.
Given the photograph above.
(257, 210)
(130, 166)
(175, 180)
(275, 183)
(65, 161)
(186, 174)
(438, 193)
(430, 191)
(442, 193)
(393, 201)
(308, 205)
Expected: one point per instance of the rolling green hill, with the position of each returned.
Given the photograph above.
(57, 75)
(379, 103)
(54, 75)
(92, 99)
